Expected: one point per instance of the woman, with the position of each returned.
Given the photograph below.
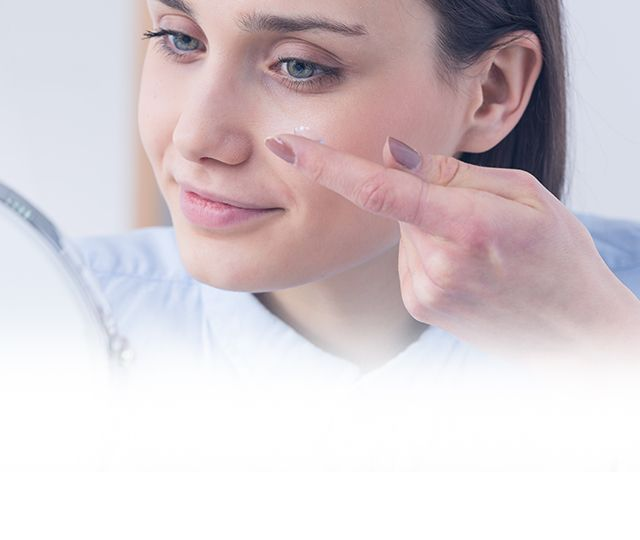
(428, 214)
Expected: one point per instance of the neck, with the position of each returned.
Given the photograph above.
(357, 315)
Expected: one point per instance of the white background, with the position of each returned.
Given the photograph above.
(68, 109)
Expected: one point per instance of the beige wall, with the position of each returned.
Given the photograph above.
(149, 207)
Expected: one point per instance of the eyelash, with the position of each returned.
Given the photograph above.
(329, 74)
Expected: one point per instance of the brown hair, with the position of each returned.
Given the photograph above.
(468, 29)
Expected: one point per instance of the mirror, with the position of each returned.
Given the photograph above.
(52, 313)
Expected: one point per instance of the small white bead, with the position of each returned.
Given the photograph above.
(308, 133)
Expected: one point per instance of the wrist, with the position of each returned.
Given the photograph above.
(615, 337)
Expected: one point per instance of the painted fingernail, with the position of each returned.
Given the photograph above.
(281, 149)
(404, 154)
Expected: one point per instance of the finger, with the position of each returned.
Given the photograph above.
(512, 184)
(371, 186)
(394, 194)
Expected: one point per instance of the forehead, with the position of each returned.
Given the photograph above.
(367, 18)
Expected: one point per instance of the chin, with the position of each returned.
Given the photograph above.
(229, 271)
(225, 280)
(217, 273)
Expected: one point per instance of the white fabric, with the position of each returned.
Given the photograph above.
(175, 321)
(438, 404)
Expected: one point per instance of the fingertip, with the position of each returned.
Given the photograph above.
(281, 148)
(404, 155)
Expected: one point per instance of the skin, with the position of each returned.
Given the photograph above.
(373, 271)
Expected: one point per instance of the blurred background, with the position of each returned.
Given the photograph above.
(69, 75)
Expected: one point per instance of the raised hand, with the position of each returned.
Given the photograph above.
(486, 254)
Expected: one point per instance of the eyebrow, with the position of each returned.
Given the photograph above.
(256, 21)
(264, 22)
(180, 5)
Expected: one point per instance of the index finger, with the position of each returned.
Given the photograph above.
(388, 192)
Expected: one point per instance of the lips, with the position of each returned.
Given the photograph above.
(219, 216)
(223, 199)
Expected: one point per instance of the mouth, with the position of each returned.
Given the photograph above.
(219, 199)
(210, 213)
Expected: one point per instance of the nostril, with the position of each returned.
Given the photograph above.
(206, 143)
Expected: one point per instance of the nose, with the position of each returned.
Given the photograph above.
(212, 124)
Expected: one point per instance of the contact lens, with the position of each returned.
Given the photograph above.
(308, 133)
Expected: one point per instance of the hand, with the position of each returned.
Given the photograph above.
(486, 254)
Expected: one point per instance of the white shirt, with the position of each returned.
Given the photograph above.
(178, 325)
(170, 317)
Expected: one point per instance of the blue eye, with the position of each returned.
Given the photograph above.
(301, 75)
(183, 43)
(300, 69)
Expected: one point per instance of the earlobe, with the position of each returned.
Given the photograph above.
(502, 91)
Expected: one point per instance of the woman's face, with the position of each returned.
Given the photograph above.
(204, 116)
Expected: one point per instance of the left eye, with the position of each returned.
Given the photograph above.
(300, 69)
(299, 73)
(184, 43)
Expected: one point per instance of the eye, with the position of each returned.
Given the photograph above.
(300, 74)
(300, 69)
(182, 42)
(176, 45)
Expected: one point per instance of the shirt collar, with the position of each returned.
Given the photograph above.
(257, 344)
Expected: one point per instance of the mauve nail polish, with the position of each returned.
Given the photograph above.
(404, 154)
(281, 149)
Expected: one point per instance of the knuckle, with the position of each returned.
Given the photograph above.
(374, 194)
(428, 297)
(476, 233)
(419, 205)
(448, 170)
(442, 278)
(315, 168)
(476, 237)
(529, 186)
(527, 180)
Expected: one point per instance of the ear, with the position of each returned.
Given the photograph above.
(502, 83)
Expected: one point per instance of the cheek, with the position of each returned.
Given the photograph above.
(329, 236)
(418, 112)
(336, 233)
(322, 236)
(155, 113)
